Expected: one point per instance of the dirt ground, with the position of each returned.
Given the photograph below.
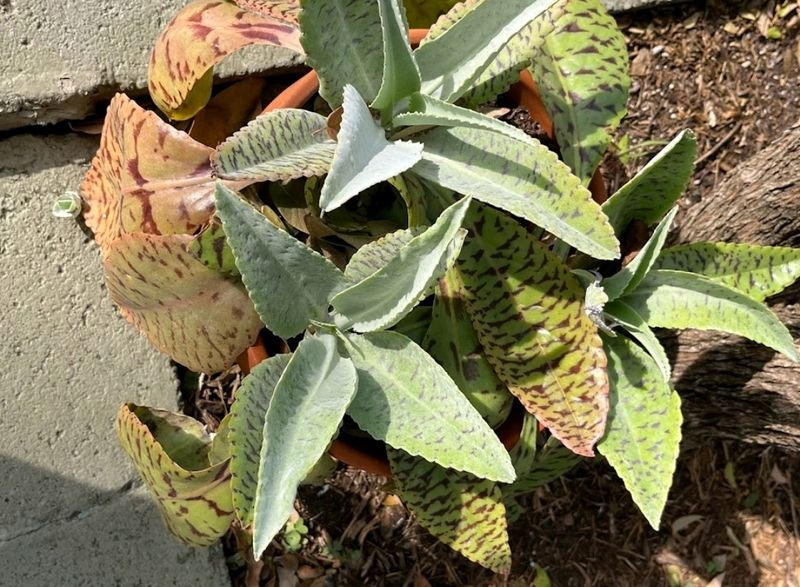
(729, 71)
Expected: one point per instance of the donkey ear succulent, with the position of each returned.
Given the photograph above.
(417, 257)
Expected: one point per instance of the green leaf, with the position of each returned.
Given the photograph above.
(413, 193)
(363, 156)
(622, 313)
(211, 248)
(415, 324)
(581, 72)
(756, 271)
(409, 401)
(464, 512)
(450, 63)
(421, 13)
(627, 278)
(247, 432)
(344, 45)
(304, 414)
(289, 283)
(527, 309)
(277, 146)
(426, 111)
(501, 72)
(452, 342)
(524, 178)
(400, 72)
(383, 298)
(552, 461)
(656, 188)
(644, 427)
(170, 452)
(376, 255)
(676, 299)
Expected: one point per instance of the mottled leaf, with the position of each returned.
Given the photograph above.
(289, 283)
(202, 34)
(656, 188)
(413, 193)
(552, 461)
(304, 414)
(436, 422)
(451, 62)
(627, 278)
(676, 299)
(755, 270)
(344, 43)
(644, 427)
(452, 342)
(146, 177)
(622, 313)
(247, 431)
(377, 254)
(363, 156)
(287, 10)
(524, 178)
(211, 248)
(426, 111)
(400, 72)
(527, 309)
(463, 511)
(197, 316)
(170, 452)
(383, 298)
(277, 146)
(581, 72)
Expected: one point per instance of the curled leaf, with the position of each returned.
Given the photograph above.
(170, 452)
(202, 34)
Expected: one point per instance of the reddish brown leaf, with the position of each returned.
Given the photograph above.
(228, 111)
(202, 34)
(194, 314)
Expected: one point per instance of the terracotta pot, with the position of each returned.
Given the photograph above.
(366, 453)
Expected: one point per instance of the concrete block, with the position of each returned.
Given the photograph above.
(122, 543)
(57, 59)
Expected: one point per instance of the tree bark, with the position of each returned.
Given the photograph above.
(730, 387)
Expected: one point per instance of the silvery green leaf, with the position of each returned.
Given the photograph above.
(383, 298)
(627, 317)
(676, 299)
(304, 414)
(644, 427)
(409, 401)
(289, 283)
(377, 254)
(451, 62)
(522, 177)
(627, 278)
(277, 146)
(400, 72)
(426, 111)
(363, 156)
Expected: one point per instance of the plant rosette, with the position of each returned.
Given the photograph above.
(428, 265)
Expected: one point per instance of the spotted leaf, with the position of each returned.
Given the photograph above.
(247, 431)
(211, 248)
(289, 283)
(656, 188)
(363, 156)
(450, 63)
(344, 43)
(287, 10)
(201, 35)
(170, 452)
(522, 177)
(304, 414)
(452, 342)
(501, 72)
(644, 426)
(278, 146)
(756, 271)
(581, 72)
(395, 376)
(377, 254)
(382, 299)
(527, 309)
(146, 177)
(636, 326)
(463, 511)
(676, 299)
(197, 316)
